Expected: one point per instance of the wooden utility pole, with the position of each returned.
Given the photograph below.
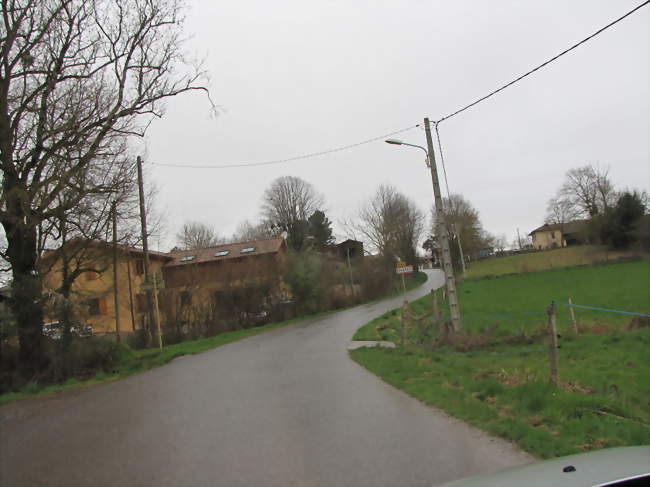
(155, 297)
(552, 350)
(454, 308)
(116, 299)
(350, 269)
(405, 323)
(145, 245)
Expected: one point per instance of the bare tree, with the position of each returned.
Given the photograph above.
(500, 242)
(587, 190)
(463, 222)
(196, 235)
(77, 77)
(287, 204)
(561, 211)
(391, 223)
(247, 231)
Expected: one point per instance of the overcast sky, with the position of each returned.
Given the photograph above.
(295, 77)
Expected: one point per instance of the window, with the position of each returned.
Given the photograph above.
(247, 250)
(553, 235)
(92, 275)
(222, 253)
(97, 306)
(188, 258)
(186, 299)
(139, 267)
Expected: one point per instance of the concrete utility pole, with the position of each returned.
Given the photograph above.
(454, 308)
(116, 300)
(145, 245)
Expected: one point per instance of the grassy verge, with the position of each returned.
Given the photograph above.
(546, 260)
(504, 389)
(411, 281)
(603, 400)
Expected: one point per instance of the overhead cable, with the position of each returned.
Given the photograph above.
(290, 159)
(566, 51)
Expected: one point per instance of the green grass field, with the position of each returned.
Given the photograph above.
(517, 303)
(547, 260)
(504, 389)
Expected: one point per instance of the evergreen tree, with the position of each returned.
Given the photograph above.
(320, 229)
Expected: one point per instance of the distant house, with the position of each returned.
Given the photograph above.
(350, 248)
(191, 279)
(228, 279)
(93, 292)
(556, 235)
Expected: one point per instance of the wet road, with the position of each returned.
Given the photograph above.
(285, 408)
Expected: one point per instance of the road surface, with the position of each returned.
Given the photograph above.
(284, 408)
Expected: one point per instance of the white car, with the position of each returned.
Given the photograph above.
(54, 330)
(611, 467)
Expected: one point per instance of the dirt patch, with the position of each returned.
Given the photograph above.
(577, 387)
(638, 322)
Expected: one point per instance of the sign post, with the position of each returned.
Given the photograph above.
(402, 269)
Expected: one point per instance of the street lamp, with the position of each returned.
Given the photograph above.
(399, 142)
(454, 308)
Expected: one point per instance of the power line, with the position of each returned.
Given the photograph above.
(290, 159)
(442, 159)
(541, 65)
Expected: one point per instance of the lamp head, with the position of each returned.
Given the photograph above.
(394, 141)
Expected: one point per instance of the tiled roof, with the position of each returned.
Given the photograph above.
(101, 244)
(152, 253)
(568, 227)
(261, 247)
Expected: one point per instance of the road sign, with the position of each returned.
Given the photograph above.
(403, 269)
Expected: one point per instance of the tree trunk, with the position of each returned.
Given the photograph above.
(65, 289)
(26, 300)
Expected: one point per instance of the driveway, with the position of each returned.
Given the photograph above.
(284, 408)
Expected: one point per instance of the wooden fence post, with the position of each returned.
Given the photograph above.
(552, 351)
(574, 323)
(405, 322)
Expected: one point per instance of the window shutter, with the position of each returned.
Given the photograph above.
(103, 306)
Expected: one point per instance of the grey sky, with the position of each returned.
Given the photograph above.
(294, 77)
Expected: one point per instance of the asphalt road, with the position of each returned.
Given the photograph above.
(284, 408)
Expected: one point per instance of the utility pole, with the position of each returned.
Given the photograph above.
(155, 297)
(116, 300)
(454, 308)
(350, 269)
(145, 245)
(518, 239)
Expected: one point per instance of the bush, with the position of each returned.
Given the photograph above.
(83, 359)
(138, 339)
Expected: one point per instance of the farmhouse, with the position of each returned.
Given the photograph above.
(237, 276)
(551, 236)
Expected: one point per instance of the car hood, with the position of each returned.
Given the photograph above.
(592, 469)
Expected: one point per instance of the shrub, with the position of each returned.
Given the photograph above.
(83, 359)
